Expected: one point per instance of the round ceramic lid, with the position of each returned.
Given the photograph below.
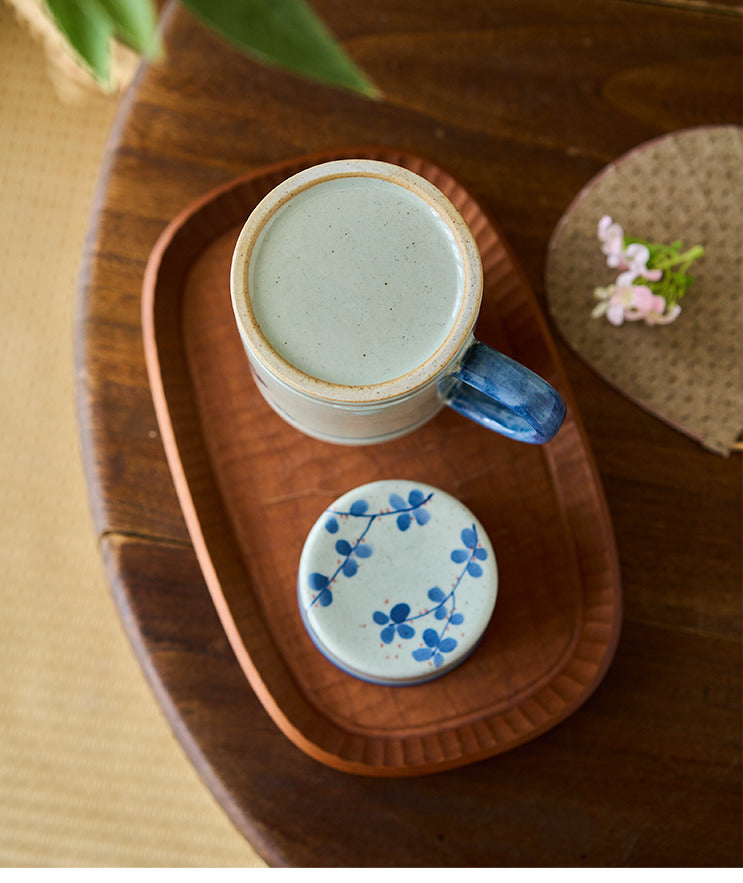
(397, 582)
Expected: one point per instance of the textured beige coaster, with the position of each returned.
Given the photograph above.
(686, 186)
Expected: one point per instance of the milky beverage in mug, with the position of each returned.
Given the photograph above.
(356, 285)
(356, 280)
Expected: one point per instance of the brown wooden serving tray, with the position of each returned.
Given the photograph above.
(251, 487)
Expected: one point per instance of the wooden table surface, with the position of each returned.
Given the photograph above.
(524, 102)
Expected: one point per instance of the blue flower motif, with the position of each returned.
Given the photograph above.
(412, 509)
(359, 508)
(441, 611)
(353, 552)
(444, 604)
(350, 566)
(395, 623)
(436, 646)
(471, 552)
(319, 583)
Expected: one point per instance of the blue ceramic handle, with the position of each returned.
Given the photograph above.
(503, 395)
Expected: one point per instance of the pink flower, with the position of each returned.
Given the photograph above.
(614, 301)
(641, 293)
(661, 318)
(644, 302)
(636, 257)
(632, 260)
(623, 301)
(611, 236)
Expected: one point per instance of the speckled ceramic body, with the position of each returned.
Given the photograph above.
(356, 286)
(397, 582)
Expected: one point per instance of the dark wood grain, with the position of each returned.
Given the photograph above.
(618, 783)
(524, 102)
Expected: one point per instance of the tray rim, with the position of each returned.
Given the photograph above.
(201, 547)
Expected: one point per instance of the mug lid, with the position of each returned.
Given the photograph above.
(397, 582)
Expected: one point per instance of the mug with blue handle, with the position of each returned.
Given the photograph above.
(356, 285)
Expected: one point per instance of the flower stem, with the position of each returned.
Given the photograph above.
(672, 259)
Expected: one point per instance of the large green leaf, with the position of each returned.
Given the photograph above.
(89, 29)
(90, 25)
(136, 24)
(286, 33)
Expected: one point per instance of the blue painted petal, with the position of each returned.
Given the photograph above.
(440, 612)
(363, 550)
(331, 525)
(349, 567)
(325, 598)
(456, 619)
(436, 594)
(399, 612)
(388, 634)
(317, 581)
(403, 521)
(416, 497)
(481, 554)
(397, 502)
(431, 637)
(343, 547)
(437, 659)
(422, 654)
(469, 537)
(359, 507)
(459, 555)
(422, 516)
(474, 569)
(447, 645)
(405, 630)
(380, 618)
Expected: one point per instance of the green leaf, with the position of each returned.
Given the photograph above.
(286, 33)
(90, 25)
(135, 23)
(89, 29)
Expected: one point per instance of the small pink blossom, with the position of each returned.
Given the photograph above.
(626, 302)
(661, 318)
(611, 236)
(633, 259)
(644, 303)
(636, 257)
(639, 292)
(613, 302)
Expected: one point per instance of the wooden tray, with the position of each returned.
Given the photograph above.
(251, 487)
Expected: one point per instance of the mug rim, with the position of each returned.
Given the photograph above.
(260, 348)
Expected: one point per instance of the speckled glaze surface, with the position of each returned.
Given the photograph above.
(356, 285)
(356, 280)
(397, 582)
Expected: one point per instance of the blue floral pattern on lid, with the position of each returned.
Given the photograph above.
(397, 582)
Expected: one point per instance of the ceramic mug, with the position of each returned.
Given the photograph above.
(356, 285)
